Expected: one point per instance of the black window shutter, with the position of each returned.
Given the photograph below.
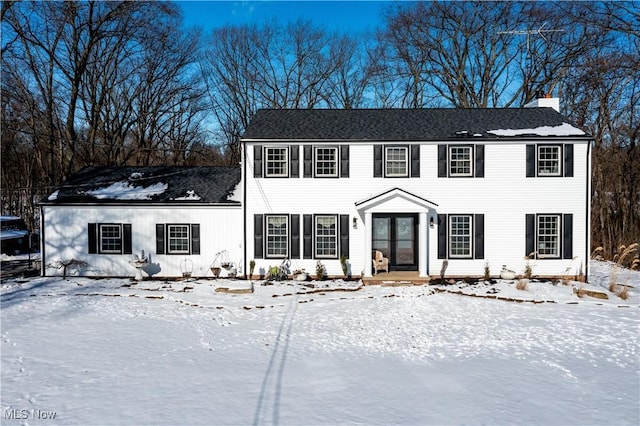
(295, 236)
(195, 238)
(257, 161)
(294, 154)
(415, 160)
(92, 237)
(531, 161)
(568, 160)
(478, 240)
(258, 236)
(344, 161)
(377, 161)
(442, 236)
(126, 238)
(344, 235)
(308, 161)
(479, 161)
(159, 238)
(307, 236)
(530, 238)
(442, 163)
(567, 236)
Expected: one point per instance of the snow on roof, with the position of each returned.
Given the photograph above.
(235, 194)
(191, 196)
(565, 129)
(54, 196)
(126, 191)
(12, 234)
(3, 218)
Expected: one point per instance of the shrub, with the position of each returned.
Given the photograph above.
(522, 285)
(252, 265)
(487, 272)
(623, 293)
(320, 270)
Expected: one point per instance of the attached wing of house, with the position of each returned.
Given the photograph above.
(180, 217)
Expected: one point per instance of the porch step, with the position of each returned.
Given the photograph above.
(396, 279)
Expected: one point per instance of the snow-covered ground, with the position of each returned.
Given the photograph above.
(107, 351)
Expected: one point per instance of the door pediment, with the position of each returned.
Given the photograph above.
(395, 200)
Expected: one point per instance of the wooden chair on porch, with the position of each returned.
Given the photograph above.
(380, 263)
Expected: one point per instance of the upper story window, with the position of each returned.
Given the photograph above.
(396, 161)
(326, 161)
(277, 236)
(549, 160)
(460, 236)
(276, 162)
(460, 161)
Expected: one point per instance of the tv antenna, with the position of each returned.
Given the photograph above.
(540, 31)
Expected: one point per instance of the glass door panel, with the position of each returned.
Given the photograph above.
(404, 241)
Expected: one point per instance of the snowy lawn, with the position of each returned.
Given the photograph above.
(106, 351)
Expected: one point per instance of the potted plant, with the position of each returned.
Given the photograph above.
(300, 275)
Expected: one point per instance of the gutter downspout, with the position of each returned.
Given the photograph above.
(244, 207)
(41, 243)
(588, 213)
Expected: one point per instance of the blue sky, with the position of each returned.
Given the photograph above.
(343, 16)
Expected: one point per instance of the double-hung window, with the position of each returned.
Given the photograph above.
(178, 239)
(276, 161)
(277, 236)
(549, 160)
(460, 161)
(326, 161)
(548, 235)
(396, 161)
(110, 238)
(460, 235)
(326, 236)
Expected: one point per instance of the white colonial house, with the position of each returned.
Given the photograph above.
(471, 187)
(428, 190)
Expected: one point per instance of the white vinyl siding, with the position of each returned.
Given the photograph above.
(548, 236)
(276, 162)
(396, 161)
(460, 236)
(326, 230)
(277, 236)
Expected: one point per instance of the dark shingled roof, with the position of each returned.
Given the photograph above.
(394, 124)
(210, 184)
